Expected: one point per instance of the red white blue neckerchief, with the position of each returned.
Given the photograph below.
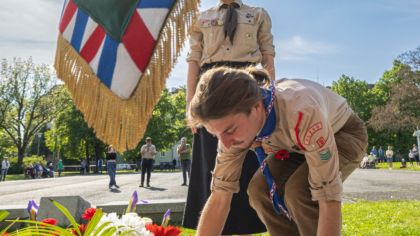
(266, 131)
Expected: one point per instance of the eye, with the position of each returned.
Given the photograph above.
(231, 131)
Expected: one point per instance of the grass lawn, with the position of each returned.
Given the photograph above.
(397, 165)
(385, 218)
(73, 173)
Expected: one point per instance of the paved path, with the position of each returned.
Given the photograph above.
(362, 184)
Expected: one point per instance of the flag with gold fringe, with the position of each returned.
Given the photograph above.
(115, 55)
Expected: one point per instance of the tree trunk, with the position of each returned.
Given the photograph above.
(87, 156)
(98, 152)
(21, 153)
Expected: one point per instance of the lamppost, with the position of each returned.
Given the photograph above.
(39, 141)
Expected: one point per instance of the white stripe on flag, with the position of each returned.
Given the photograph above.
(68, 32)
(126, 74)
(90, 27)
(153, 18)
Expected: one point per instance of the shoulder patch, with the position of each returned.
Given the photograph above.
(311, 131)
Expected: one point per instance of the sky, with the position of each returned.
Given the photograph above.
(317, 40)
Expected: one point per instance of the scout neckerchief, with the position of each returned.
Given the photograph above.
(231, 20)
(269, 126)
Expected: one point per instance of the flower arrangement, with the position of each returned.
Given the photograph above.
(98, 223)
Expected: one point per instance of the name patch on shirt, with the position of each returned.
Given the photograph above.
(311, 131)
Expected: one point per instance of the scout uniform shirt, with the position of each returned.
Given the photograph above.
(150, 151)
(307, 117)
(252, 39)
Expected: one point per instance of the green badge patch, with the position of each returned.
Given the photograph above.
(325, 155)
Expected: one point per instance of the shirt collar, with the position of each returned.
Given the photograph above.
(239, 2)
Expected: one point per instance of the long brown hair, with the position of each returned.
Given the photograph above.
(224, 91)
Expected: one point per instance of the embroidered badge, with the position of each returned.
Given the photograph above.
(325, 155)
(282, 154)
(311, 131)
(320, 141)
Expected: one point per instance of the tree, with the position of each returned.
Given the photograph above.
(357, 94)
(70, 135)
(401, 111)
(168, 122)
(397, 113)
(29, 101)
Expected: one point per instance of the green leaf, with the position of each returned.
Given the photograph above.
(68, 215)
(44, 226)
(109, 231)
(7, 227)
(3, 215)
(94, 221)
(101, 227)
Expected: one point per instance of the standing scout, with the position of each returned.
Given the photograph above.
(236, 35)
(297, 195)
(148, 153)
(184, 151)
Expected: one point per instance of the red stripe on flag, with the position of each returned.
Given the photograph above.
(92, 45)
(139, 42)
(67, 15)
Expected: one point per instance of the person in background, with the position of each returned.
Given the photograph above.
(148, 153)
(374, 151)
(235, 35)
(415, 151)
(60, 167)
(184, 151)
(111, 165)
(5, 165)
(411, 157)
(389, 155)
(100, 165)
(381, 154)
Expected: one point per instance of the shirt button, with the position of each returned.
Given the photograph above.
(227, 49)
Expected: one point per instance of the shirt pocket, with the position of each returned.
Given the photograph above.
(247, 31)
(212, 29)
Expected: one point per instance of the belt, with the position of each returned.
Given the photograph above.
(233, 64)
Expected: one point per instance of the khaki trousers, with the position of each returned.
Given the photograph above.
(291, 175)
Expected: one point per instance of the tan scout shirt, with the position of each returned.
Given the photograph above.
(252, 39)
(308, 115)
(148, 151)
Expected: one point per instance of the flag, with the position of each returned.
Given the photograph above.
(114, 57)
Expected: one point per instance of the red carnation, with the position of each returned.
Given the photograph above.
(88, 214)
(49, 221)
(158, 230)
(282, 154)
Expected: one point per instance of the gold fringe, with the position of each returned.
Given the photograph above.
(115, 121)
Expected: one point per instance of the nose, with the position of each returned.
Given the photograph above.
(227, 141)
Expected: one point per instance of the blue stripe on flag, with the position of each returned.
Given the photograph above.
(155, 4)
(79, 29)
(107, 61)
